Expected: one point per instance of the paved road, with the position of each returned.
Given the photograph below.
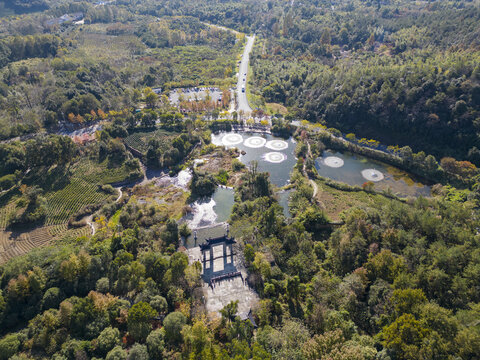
(242, 96)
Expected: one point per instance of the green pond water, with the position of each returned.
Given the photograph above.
(400, 182)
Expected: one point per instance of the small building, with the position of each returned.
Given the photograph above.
(248, 316)
(65, 18)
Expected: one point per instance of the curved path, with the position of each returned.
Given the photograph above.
(313, 183)
(242, 102)
(315, 188)
(119, 194)
(89, 223)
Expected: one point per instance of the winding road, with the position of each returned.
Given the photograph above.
(242, 102)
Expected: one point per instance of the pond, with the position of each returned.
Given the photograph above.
(355, 169)
(273, 154)
(213, 210)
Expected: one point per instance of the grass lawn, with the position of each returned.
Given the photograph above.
(336, 201)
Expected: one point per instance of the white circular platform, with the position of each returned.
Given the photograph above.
(276, 145)
(333, 161)
(372, 175)
(232, 139)
(255, 142)
(274, 157)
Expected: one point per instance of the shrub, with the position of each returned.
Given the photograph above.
(237, 165)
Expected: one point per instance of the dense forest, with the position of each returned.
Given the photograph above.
(108, 116)
(383, 74)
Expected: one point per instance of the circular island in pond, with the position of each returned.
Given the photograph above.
(232, 139)
(255, 142)
(276, 145)
(372, 175)
(274, 157)
(333, 161)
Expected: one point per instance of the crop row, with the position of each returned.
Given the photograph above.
(100, 173)
(4, 212)
(64, 203)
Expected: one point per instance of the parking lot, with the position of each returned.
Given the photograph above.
(193, 94)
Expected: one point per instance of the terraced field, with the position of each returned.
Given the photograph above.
(16, 244)
(65, 192)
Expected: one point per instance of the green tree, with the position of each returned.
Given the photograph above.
(139, 320)
(107, 340)
(156, 343)
(173, 324)
(385, 265)
(467, 342)
(52, 298)
(326, 38)
(407, 301)
(9, 346)
(117, 353)
(138, 352)
(404, 336)
(151, 99)
(229, 311)
(159, 303)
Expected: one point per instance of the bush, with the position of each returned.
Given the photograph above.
(237, 165)
(109, 189)
(222, 177)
